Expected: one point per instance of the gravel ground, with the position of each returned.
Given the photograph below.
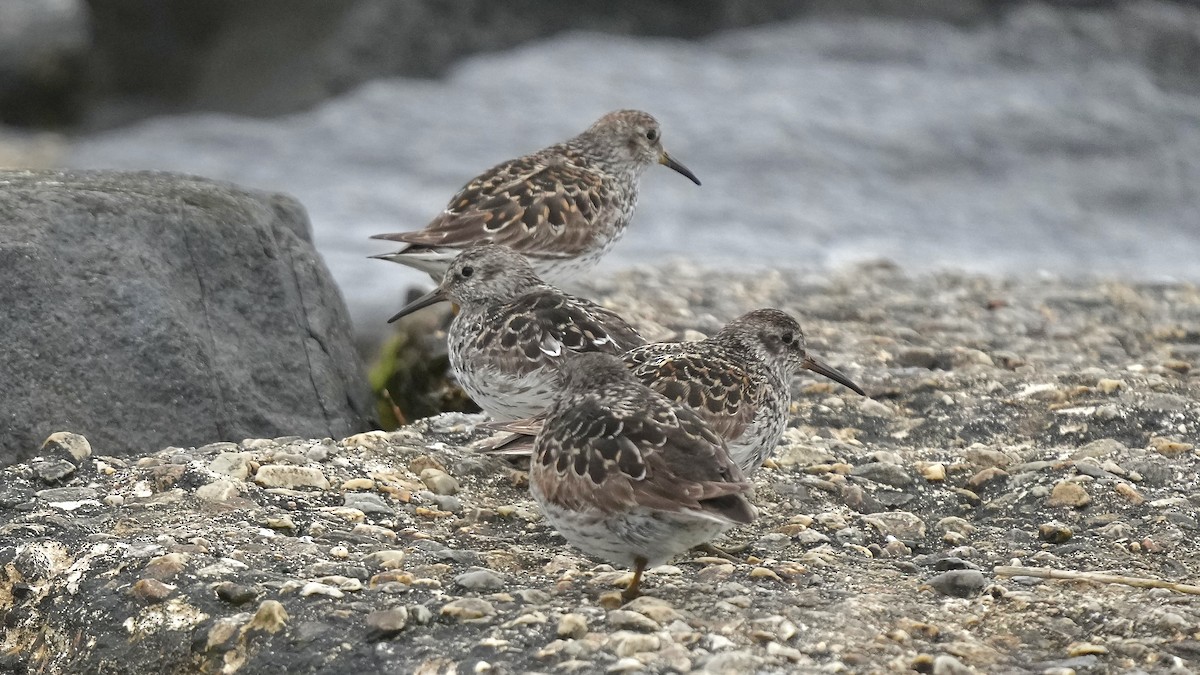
(1026, 422)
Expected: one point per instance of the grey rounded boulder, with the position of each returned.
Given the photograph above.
(149, 309)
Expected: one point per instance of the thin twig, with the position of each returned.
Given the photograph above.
(1096, 577)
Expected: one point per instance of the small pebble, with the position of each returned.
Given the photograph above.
(420, 615)
(235, 594)
(367, 503)
(283, 522)
(933, 472)
(655, 608)
(317, 588)
(1068, 493)
(628, 643)
(150, 590)
(480, 579)
(290, 476)
(982, 457)
(899, 524)
(387, 622)
(955, 524)
(1054, 532)
(1169, 447)
(1099, 448)
(221, 490)
(623, 618)
(167, 566)
(270, 617)
(388, 559)
(872, 408)
(468, 609)
(358, 484)
(1085, 648)
(375, 532)
(884, 472)
(963, 583)
(946, 664)
(572, 625)
(992, 475)
(627, 664)
(439, 482)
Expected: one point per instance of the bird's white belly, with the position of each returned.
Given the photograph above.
(506, 397)
(621, 537)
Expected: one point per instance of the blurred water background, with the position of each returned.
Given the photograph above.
(1001, 137)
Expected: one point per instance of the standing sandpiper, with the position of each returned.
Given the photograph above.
(738, 381)
(629, 476)
(513, 329)
(562, 207)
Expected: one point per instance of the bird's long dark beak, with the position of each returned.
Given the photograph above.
(666, 161)
(431, 298)
(821, 368)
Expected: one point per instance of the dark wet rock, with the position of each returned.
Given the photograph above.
(166, 310)
(235, 594)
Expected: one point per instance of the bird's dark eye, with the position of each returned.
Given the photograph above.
(652, 135)
(787, 338)
(467, 271)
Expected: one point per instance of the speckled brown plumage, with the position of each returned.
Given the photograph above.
(562, 207)
(512, 329)
(738, 381)
(629, 476)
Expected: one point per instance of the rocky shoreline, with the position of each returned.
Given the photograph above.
(1028, 422)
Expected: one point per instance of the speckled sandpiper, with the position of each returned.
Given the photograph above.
(562, 207)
